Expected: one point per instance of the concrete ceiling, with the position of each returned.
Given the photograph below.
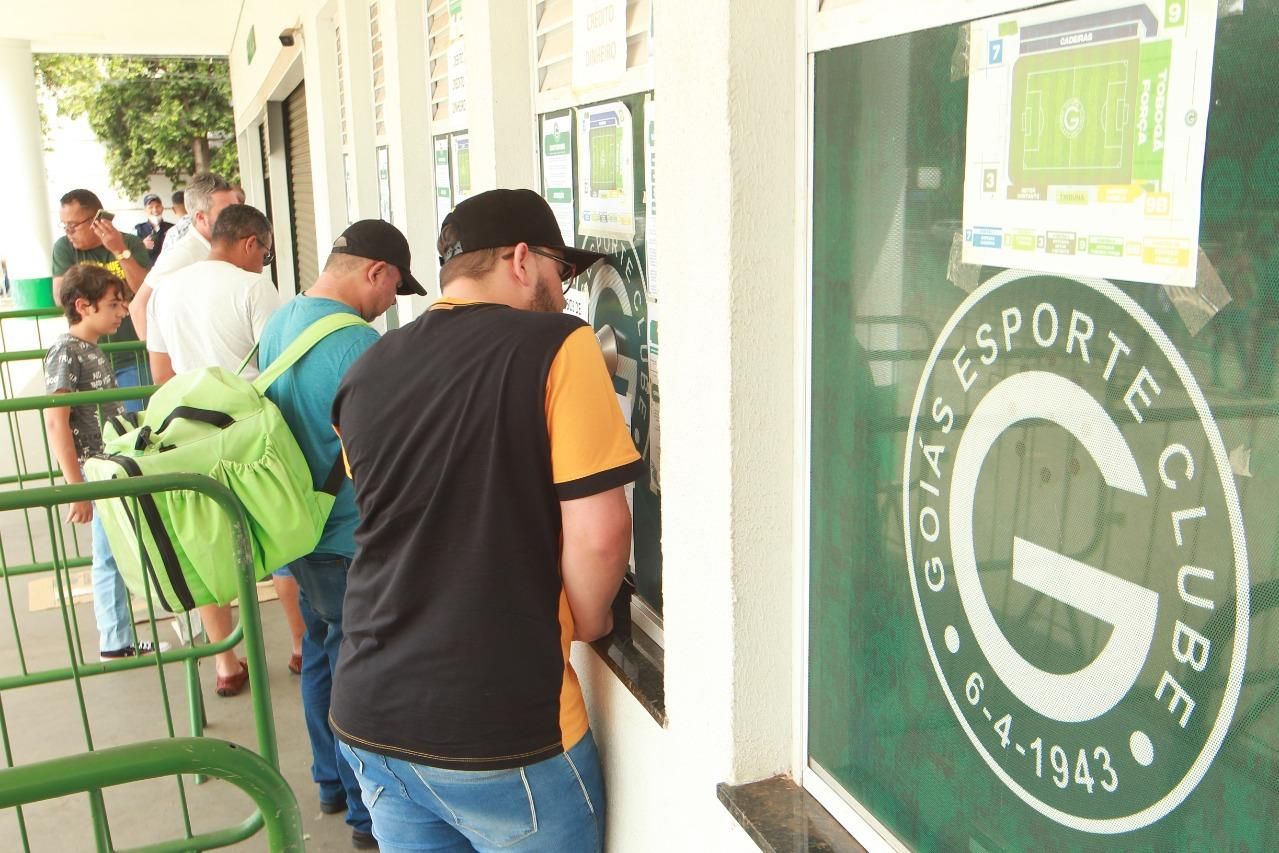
(158, 27)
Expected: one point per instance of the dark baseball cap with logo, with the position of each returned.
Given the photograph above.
(500, 218)
(378, 240)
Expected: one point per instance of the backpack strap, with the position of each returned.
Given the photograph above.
(310, 336)
(164, 545)
(252, 353)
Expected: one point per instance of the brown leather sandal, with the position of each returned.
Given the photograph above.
(231, 685)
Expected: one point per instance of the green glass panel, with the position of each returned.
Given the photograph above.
(1044, 564)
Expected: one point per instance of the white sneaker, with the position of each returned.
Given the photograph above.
(144, 647)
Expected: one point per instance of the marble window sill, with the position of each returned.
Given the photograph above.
(781, 817)
(637, 663)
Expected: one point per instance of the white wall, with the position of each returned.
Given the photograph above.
(276, 70)
(729, 159)
(730, 251)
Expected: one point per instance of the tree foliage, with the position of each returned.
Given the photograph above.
(154, 115)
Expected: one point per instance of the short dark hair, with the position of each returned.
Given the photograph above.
(341, 264)
(85, 198)
(89, 282)
(238, 221)
(179, 197)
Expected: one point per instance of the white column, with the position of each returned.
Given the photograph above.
(727, 143)
(499, 94)
(359, 88)
(408, 129)
(26, 233)
(252, 169)
(323, 116)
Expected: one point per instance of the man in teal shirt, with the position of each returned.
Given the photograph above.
(368, 267)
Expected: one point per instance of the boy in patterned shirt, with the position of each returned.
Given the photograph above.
(95, 305)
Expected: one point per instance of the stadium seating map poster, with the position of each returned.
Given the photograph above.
(606, 172)
(1086, 131)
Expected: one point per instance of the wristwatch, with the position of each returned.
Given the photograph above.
(125, 255)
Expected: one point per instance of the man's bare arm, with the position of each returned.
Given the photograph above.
(57, 422)
(161, 367)
(138, 310)
(597, 547)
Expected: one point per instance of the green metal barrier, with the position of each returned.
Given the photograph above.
(80, 666)
(93, 771)
(13, 362)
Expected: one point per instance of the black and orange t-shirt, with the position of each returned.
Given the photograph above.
(463, 432)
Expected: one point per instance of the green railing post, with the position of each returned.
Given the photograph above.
(277, 807)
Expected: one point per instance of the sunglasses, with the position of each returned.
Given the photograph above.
(568, 270)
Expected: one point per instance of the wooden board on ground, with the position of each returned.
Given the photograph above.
(42, 594)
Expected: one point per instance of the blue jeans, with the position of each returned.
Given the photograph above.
(556, 805)
(127, 377)
(321, 587)
(111, 608)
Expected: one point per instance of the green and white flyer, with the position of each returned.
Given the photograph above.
(606, 172)
(1086, 132)
(461, 151)
(557, 170)
(443, 180)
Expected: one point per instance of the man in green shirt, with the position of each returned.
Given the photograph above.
(91, 239)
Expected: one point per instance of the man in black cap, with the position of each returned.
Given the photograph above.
(153, 230)
(367, 267)
(489, 457)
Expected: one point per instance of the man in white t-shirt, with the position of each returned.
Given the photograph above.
(210, 314)
(206, 196)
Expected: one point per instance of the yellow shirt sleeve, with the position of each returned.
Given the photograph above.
(591, 450)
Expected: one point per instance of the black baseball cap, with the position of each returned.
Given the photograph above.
(378, 240)
(500, 218)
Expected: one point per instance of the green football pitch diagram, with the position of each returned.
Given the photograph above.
(606, 166)
(1072, 115)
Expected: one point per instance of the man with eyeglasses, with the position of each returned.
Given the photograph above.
(90, 239)
(489, 457)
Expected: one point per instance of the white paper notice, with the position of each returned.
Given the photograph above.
(461, 151)
(1086, 132)
(650, 198)
(443, 181)
(384, 183)
(557, 170)
(455, 19)
(577, 303)
(606, 172)
(599, 42)
(457, 79)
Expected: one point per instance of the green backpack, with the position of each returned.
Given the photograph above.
(213, 422)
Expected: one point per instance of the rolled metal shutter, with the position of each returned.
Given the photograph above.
(301, 196)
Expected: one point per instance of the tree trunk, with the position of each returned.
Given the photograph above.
(200, 148)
